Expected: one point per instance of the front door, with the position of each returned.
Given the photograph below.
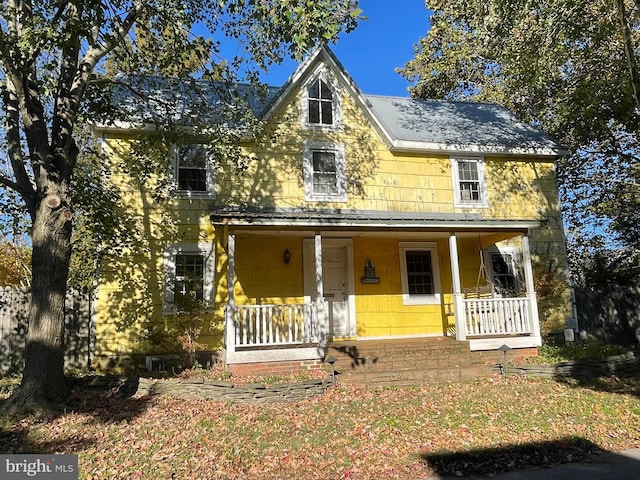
(337, 284)
(336, 294)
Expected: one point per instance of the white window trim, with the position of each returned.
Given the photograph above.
(407, 299)
(336, 103)
(210, 172)
(169, 260)
(455, 175)
(307, 172)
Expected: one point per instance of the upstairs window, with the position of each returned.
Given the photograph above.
(324, 172)
(420, 273)
(320, 98)
(194, 170)
(469, 182)
(321, 103)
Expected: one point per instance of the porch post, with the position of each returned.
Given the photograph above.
(458, 304)
(229, 327)
(322, 315)
(531, 291)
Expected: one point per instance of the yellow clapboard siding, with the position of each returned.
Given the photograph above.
(131, 287)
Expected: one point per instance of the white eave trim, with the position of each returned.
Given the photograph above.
(447, 148)
(429, 224)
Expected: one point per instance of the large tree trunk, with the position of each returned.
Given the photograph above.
(43, 384)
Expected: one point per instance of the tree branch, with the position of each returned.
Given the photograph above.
(96, 53)
(23, 183)
(629, 51)
(66, 106)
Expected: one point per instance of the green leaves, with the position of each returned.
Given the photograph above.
(557, 64)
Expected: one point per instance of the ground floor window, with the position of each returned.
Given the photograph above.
(188, 276)
(420, 273)
(505, 268)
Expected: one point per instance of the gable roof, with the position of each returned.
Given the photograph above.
(402, 123)
(410, 124)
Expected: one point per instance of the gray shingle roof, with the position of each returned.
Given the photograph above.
(476, 126)
(152, 99)
(404, 123)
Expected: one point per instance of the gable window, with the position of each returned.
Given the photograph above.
(188, 276)
(468, 182)
(324, 172)
(320, 98)
(420, 273)
(321, 106)
(194, 170)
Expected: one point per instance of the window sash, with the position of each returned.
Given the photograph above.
(189, 270)
(192, 179)
(320, 100)
(189, 277)
(192, 165)
(325, 172)
(502, 267)
(468, 182)
(419, 272)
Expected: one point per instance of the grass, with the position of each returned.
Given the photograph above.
(487, 426)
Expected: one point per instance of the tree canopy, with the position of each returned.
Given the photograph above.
(567, 66)
(54, 71)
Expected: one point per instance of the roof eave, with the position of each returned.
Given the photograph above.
(502, 225)
(450, 148)
(120, 127)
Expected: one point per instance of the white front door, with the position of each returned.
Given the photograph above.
(336, 294)
(337, 284)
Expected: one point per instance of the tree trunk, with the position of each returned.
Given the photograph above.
(43, 382)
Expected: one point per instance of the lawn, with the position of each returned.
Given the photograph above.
(490, 425)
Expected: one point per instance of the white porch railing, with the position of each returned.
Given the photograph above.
(497, 316)
(267, 325)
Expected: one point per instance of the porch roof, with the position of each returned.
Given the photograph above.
(348, 218)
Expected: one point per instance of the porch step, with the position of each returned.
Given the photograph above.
(409, 361)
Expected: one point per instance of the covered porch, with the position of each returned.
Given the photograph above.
(265, 331)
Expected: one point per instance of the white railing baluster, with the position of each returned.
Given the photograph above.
(263, 325)
(497, 316)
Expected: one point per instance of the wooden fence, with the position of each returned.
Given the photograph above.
(14, 310)
(611, 315)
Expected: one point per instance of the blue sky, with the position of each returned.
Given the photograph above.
(371, 53)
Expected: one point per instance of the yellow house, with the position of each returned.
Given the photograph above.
(354, 218)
